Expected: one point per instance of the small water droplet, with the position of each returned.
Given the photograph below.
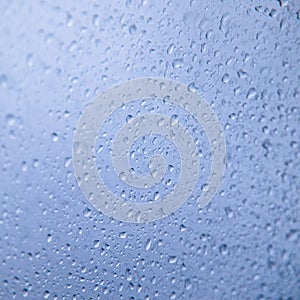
(283, 3)
(129, 119)
(174, 120)
(49, 238)
(54, 137)
(225, 78)
(192, 87)
(87, 212)
(46, 294)
(29, 60)
(68, 161)
(96, 21)
(241, 73)
(24, 166)
(171, 49)
(172, 259)
(132, 29)
(177, 63)
(69, 20)
(10, 120)
(148, 245)
(3, 80)
(123, 235)
(187, 284)
(96, 243)
(223, 249)
(251, 93)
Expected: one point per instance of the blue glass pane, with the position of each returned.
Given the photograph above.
(242, 58)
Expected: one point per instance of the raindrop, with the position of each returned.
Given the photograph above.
(283, 3)
(69, 20)
(96, 21)
(171, 49)
(223, 249)
(29, 60)
(129, 119)
(251, 93)
(49, 238)
(172, 259)
(3, 80)
(10, 120)
(132, 29)
(177, 63)
(46, 294)
(96, 243)
(148, 245)
(123, 235)
(54, 137)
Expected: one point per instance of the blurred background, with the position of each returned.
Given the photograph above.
(243, 57)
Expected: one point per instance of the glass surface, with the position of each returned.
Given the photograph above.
(243, 57)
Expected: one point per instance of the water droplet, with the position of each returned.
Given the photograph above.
(223, 249)
(177, 63)
(69, 20)
(172, 259)
(188, 284)
(156, 196)
(49, 238)
(148, 245)
(46, 294)
(225, 78)
(87, 212)
(229, 212)
(96, 21)
(96, 243)
(292, 235)
(192, 87)
(132, 29)
(251, 93)
(68, 161)
(25, 293)
(241, 74)
(174, 120)
(10, 120)
(171, 49)
(283, 3)
(24, 166)
(29, 60)
(54, 137)
(3, 80)
(123, 235)
(129, 119)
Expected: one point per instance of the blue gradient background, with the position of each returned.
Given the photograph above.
(243, 57)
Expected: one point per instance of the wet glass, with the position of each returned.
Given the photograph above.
(211, 71)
